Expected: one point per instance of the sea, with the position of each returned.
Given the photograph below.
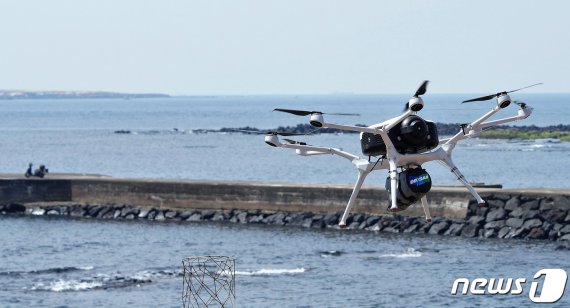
(56, 262)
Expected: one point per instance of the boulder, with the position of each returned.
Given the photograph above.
(565, 229)
(14, 208)
(504, 231)
(530, 214)
(476, 220)
(497, 214)
(195, 217)
(530, 205)
(454, 229)
(490, 233)
(514, 222)
(518, 212)
(536, 234)
(532, 223)
(38, 211)
(159, 215)
(184, 215)
(554, 215)
(512, 204)
(208, 214)
(470, 230)
(497, 224)
(495, 203)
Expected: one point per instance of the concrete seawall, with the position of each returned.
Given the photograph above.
(511, 213)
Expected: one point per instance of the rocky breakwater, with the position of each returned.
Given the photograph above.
(506, 217)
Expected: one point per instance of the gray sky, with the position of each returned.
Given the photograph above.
(284, 47)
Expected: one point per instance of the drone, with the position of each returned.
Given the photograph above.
(401, 145)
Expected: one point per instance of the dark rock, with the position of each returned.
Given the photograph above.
(470, 230)
(104, 210)
(554, 215)
(208, 214)
(391, 230)
(242, 217)
(546, 205)
(553, 235)
(307, 222)
(504, 231)
(256, 219)
(151, 214)
(454, 229)
(375, 227)
(359, 218)
(495, 203)
(476, 220)
(331, 219)
(567, 219)
(530, 205)
(532, 223)
(195, 217)
(502, 197)
(518, 212)
(319, 223)
(497, 224)
(563, 246)
(530, 214)
(372, 220)
(277, 218)
(546, 226)
(482, 211)
(512, 204)
(565, 229)
(490, 233)
(94, 210)
(515, 222)
(412, 228)
(561, 202)
(297, 219)
(497, 214)
(184, 215)
(14, 208)
(565, 237)
(130, 216)
(171, 214)
(536, 233)
(516, 233)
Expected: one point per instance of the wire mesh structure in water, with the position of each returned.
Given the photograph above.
(209, 281)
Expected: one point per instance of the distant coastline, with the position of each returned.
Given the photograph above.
(18, 94)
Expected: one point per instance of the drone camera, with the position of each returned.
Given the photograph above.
(317, 120)
(272, 140)
(412, 185)
(503, 100)
(416, 104)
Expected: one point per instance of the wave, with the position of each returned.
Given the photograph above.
(409, 253)
(67, 285)
(54, 270)
(331, 253)
(272, 271)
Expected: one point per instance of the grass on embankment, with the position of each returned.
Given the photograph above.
(509, 133)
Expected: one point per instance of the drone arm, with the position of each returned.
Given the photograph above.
(352, 128)
(522, 114)
(393, 185)
(461, 179)
(307, 150)
(426, 208)
(475, 126)
(361, 176)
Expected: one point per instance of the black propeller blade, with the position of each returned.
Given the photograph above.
(305, 112)
(420, 91)
(259, 132)
(488, 97)
(294, 142)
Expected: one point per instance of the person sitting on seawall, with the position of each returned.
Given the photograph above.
(40, 172)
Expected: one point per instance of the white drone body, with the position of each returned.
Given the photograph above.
(394, 159)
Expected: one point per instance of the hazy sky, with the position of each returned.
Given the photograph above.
(284, 47)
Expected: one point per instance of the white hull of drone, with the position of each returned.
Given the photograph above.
(393, 157)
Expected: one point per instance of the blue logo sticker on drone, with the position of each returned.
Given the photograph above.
(419, 180)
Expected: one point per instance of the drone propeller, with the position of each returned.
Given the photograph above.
(294, 142)
(420, 91)
(488, 97)
(305, 112)
(275, 133)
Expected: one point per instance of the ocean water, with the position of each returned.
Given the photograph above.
(77, 136)
(54, 262)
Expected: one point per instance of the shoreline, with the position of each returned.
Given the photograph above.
(511, 214)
